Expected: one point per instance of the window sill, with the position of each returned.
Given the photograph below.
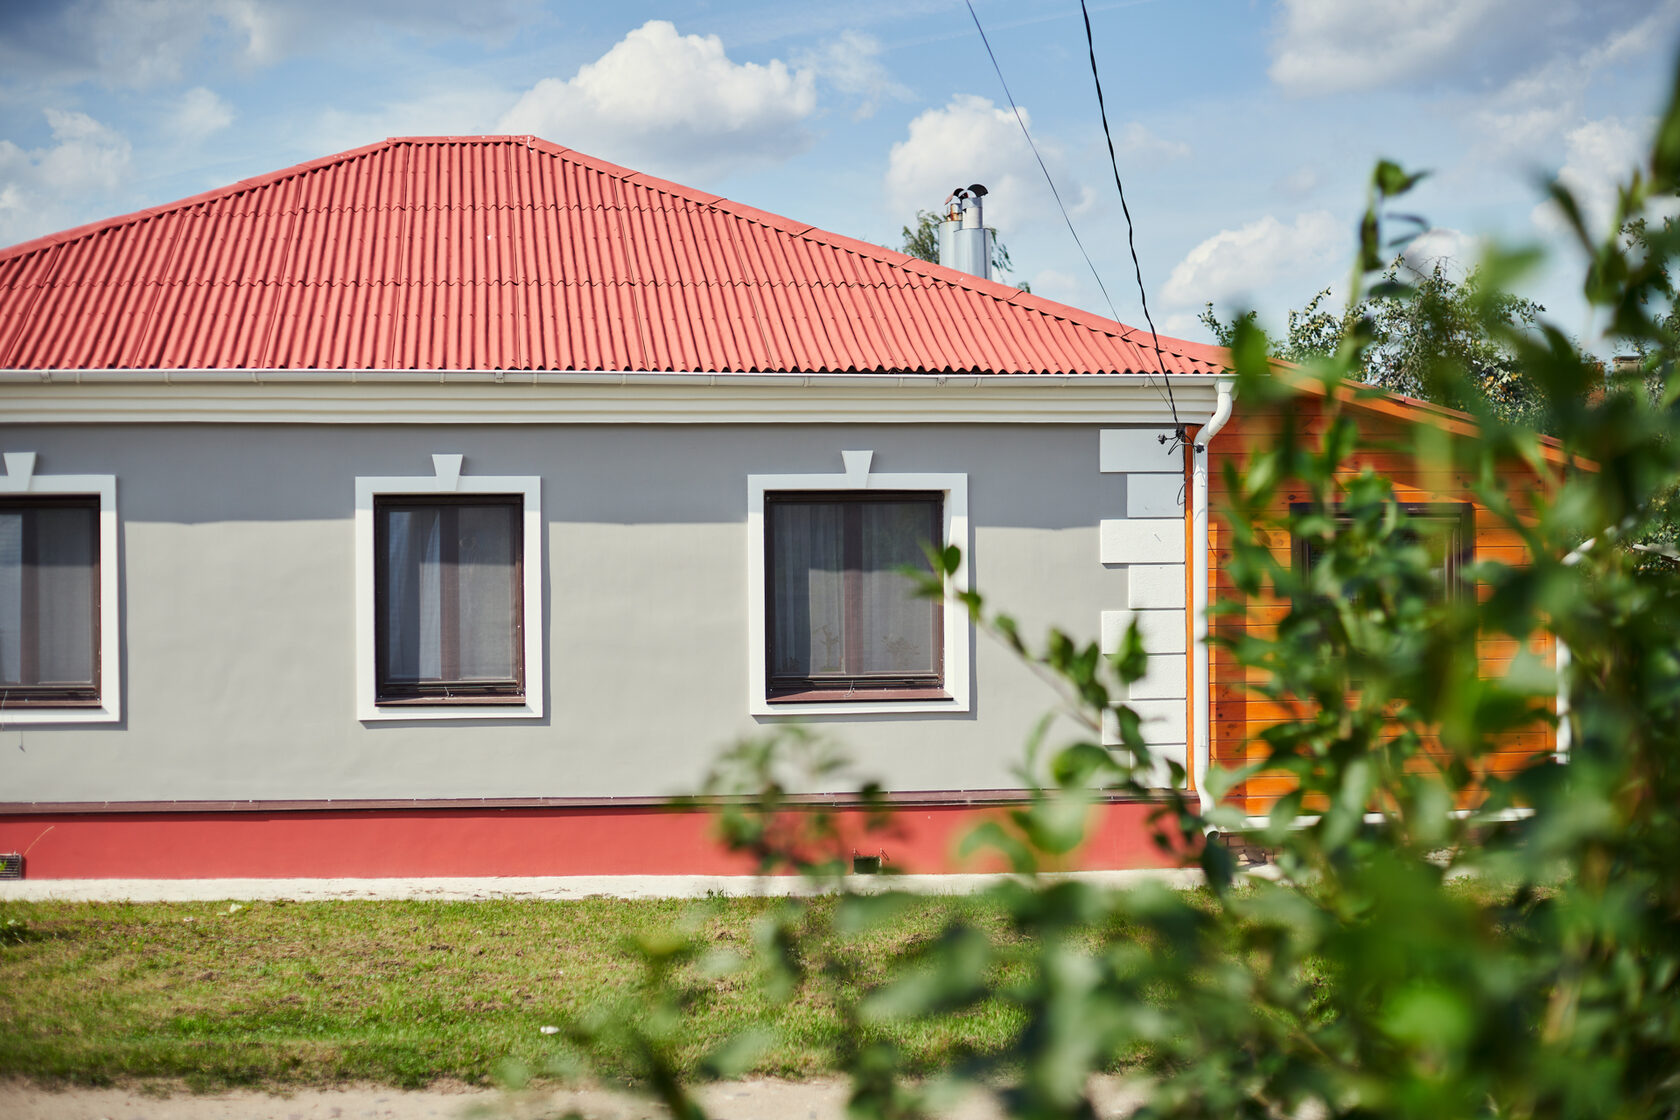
(18, 703)
(855, 695)
(442, 701)
(56, 711)
(446, 708)
(858, 702)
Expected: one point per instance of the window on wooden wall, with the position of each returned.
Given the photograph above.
(1446, 530)
(843, 620)
(49, 601)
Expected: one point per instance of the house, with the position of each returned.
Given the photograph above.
(442, 507)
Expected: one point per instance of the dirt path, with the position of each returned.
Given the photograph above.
(732, 1100)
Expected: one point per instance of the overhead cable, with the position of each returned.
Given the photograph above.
(1168, 397)
(1102, 110)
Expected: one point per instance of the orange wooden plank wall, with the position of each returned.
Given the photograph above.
(1239, 716)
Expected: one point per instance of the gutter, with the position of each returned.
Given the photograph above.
(575, 377)
(1200, 690)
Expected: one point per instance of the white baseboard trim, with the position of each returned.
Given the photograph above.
(543, 887)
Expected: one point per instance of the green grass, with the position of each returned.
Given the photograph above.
(288, 994)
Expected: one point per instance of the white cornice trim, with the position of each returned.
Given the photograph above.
(409, 397)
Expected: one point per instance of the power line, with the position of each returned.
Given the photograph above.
(1168, 397)
(1102, 110)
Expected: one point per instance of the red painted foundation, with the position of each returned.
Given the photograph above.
(480, 841)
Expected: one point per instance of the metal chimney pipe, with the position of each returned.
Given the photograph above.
(965, 243)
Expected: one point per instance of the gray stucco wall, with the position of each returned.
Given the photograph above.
(238, 607)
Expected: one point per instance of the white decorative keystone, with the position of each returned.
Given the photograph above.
(448, 469)
(857, 466)
(20, 465)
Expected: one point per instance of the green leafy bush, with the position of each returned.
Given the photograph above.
(1438, 940)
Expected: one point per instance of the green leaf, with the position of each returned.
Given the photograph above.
(1392, 181)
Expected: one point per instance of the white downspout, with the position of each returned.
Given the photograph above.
(1562, 658)
(1201, 698)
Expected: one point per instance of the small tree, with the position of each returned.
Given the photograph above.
(1362, 981)
(1413, 324)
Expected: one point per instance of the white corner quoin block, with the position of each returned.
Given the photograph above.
(1155, 495)
(1162, 721)
(1160, 631)
(1124, 450)
(1155, 587)
(1164, 678)
(1158, 727)
(1148, 540)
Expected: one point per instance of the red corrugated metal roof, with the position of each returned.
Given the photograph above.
(508, 252)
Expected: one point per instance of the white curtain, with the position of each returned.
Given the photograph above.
(11, 598)
(897, 627)
(482, 636)
(66, 545)
(413, 604)
(65, 555)
(807, 555)
(895, 632)
(486, 571)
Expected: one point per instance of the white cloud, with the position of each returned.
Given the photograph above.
(852, 65)
(1300, 183)
(1052, 283)
(1599, 154)
(198, 114)
(452, 107)
(1325, 46)
(46, 189)
(1456, 251)
(672, 104)
(1526, 120)
(1185, 324)
(1328, 45)
(1138, 140)
(971, 140)
(124, 43)
(148, 43)
(1236, 265)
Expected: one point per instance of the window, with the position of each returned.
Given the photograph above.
(448, 596)
(60, 653)
(49, 601)
(842, 619)
(833, 628)
(447, 599)
(1446, 529)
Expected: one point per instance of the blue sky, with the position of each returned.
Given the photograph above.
(1245, 130)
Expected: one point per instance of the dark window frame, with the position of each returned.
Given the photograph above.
(1463, 513)
(792, 689)
(447, 692)
(38, 695)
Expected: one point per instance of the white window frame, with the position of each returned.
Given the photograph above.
(957, 628)
(447, 479)
(20, 478)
